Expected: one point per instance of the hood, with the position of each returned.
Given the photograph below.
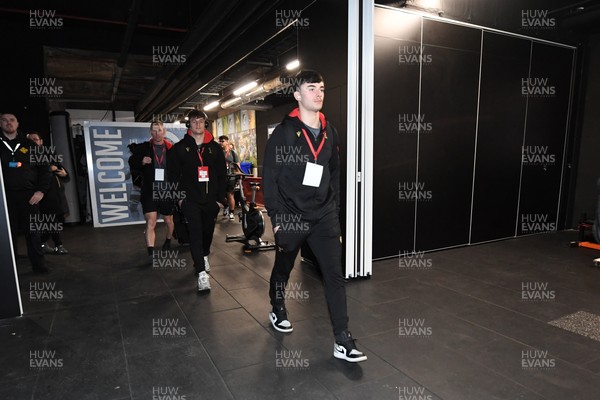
(208, 137)
(295, 115)
(167, 143)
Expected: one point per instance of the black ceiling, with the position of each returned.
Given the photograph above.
(103, 54)
(574, 18)
(153, 57)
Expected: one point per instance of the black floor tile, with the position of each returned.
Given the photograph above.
(181, 373)
(392, 387)
(69, 368)
(220, 345)
(234, 339)
(21, 388)
(537, 369)
(443, 371)
(149, 324)
(278, 382)
(235, 276)
(563, 344)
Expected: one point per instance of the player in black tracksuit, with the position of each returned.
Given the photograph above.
(301, 182)
(25, 183)
(197, 163)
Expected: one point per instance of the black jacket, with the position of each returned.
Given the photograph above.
(138, 152)
(285, 159)
(182, 165)
(29, 177)
(55, 201)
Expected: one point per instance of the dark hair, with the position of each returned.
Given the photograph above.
(306, 76)
(223, 137)
(197, 114)
(10, 113)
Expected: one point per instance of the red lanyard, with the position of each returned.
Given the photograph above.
(315, 153)
(200, 156)
(159, 161)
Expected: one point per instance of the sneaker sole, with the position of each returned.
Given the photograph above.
(344, 357)
(206, 289)
(273, 319)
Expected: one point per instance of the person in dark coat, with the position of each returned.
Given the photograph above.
(25, 183)
(197, 164)
(54, 205)
(301, 182)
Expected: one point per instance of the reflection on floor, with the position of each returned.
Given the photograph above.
(465, 323)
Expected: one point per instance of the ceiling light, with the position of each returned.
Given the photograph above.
(230, 102)
(292, 65)
(245, 88)
(256, 91)
(210, 106)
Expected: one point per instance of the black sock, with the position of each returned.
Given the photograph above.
(150, 250)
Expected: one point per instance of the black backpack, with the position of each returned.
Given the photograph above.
(137, 176)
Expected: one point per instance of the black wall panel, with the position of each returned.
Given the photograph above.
(485, 154)
(547, 91)
(9, 291)
(502, 110)
(397, 51)
(450, 81)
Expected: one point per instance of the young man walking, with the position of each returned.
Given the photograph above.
(151, 159)
(197, 164)
(301, 175)
(231, 158)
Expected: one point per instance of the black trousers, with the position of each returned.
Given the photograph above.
(323, 237)
(55, 235)
(21, 214)
(201, 219)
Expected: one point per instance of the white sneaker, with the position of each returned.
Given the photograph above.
(231, 216)
(344, 348)
(203, 281)
(206, 264)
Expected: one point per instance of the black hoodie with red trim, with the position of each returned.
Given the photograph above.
(183, 161)
(138, 152)
(285, 159)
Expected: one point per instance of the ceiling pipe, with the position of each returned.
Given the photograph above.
(193, 40)
(99, 20)
(131, 24)
(176, 94)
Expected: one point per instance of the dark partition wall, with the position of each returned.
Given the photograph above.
(502, 111)
(395, 142)
(469, 133)
(449, 85)
(10, 302)
(548, 91)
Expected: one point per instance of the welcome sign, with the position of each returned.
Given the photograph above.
(115, 201)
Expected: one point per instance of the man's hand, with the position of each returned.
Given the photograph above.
(36, 198)
(60, 172)
(146, 160)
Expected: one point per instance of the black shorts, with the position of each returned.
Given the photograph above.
(162, 207)
(231, 185)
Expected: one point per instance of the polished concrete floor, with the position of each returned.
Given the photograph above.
(515, 319)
